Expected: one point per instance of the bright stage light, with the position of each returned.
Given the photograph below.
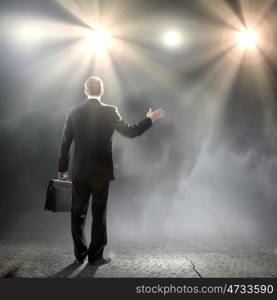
(247, 39)
(97, 40)
(28, 32)
(172, 39)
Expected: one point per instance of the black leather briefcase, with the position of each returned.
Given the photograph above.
(58, 196)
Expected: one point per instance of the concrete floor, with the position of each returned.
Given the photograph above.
(171, 258)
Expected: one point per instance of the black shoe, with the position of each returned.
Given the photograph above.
(100, 261)
(79, 262)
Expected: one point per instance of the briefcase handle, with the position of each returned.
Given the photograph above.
(66, 180)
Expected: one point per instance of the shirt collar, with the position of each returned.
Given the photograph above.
(94, 99)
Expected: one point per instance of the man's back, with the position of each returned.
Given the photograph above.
(91, 126)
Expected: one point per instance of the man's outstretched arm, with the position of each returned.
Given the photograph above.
(137, 129)
(65, 148)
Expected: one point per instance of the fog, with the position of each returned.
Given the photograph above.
(207, 169)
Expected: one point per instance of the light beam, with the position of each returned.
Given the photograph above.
(172, 39)
(97, 40)
(247, 39)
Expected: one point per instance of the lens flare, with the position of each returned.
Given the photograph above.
(29, 33)
(172, 39)
(247, 39)
(97, 40)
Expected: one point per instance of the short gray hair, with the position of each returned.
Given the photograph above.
(94, 86)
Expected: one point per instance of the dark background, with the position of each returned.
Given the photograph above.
(207, 169)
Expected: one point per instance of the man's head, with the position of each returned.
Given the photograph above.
(94, 87)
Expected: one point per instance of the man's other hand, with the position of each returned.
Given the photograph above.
(156, 114)
(63, 175)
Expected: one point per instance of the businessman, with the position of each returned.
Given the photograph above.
(91, 126)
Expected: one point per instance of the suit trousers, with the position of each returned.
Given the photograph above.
(81, 192)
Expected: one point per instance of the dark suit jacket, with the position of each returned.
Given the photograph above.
(91, 126)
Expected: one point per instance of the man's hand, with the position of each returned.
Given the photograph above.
(156, 114)
(63, 175)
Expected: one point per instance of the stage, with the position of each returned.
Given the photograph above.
(213, 258)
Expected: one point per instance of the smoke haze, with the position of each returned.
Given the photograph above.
(207, 169)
